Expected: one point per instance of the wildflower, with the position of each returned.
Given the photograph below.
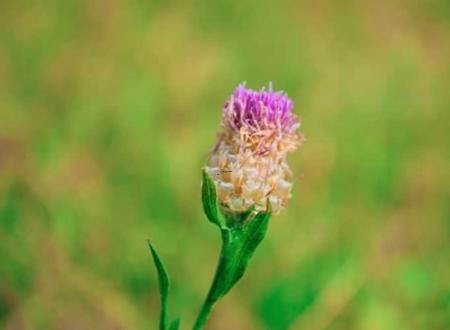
(248, 164)
(247, 179)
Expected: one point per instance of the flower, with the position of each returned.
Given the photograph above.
(248, 163)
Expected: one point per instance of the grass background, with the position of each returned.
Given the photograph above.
(108, 110)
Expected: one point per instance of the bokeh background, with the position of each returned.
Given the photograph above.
(108, 110)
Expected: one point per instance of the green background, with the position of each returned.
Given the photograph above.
(108, 110)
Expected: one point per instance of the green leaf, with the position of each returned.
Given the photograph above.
(239, 245)
(163, 280)
(209, 200)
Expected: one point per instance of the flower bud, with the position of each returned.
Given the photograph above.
(248, 164)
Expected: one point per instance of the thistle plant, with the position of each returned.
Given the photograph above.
(245, 182)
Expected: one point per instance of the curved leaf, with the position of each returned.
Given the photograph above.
(209, 200)
(163, 280)
(239, 245)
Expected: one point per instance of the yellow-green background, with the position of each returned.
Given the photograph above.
(108, 110)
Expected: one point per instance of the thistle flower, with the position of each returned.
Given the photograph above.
(248, 163)
(246, 169)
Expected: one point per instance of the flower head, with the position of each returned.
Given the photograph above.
(248, 163)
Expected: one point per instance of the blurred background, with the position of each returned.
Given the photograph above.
(108, 110)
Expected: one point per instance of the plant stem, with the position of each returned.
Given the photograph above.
(211, 298)
(204, 314)
(238, 245)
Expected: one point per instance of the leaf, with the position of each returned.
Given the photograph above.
(163, 288)
(209, 200)
(239, 245)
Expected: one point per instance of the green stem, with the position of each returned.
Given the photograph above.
(238, 245)
(211, 299)
(203, 315)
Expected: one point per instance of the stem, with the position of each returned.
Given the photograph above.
(211, 298)
(204, 314)
(238, 245)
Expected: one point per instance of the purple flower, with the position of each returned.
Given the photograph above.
(260, 110)
(248, 163)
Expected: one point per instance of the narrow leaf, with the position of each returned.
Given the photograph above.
(239, 245)
(249, 238)
(163, 288)
(209, 200)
